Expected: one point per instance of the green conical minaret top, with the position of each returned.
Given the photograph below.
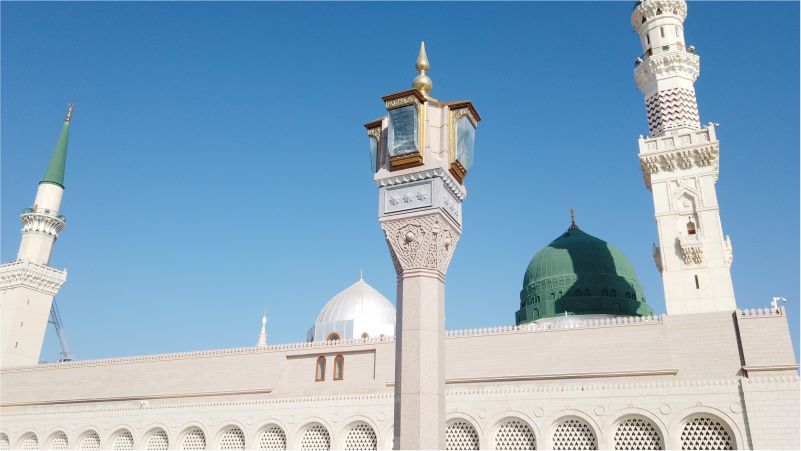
(55, 170)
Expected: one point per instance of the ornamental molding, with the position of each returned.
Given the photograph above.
(454, 186)
(664, 65)
(649, 9)
(671, 160)
(421, 242)
(498, 389)
(40, 222)
(31, 275)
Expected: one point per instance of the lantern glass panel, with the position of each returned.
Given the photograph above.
(403, 136)
(373, 153)
(465, 141)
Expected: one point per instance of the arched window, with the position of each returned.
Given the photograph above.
(662, 31)
(319, 374)
(604, 292)
(614, 293)
(232, 438)
(560, 294)
(691, 227)
(58, 441)
(158, 440)
(515, 434)
(586, 292)
(194, 438)
(628, 295)
(90, 441)
(573, 433)
(706, 433)
(339, 367)
(361, 437)
(315, 438)
(460, 435)
(333, 336)
(123, 441)
(637, 434)
(273, 438)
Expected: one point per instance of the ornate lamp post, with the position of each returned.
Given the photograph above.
(421, 152)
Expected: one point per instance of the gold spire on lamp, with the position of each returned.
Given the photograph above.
(422, 82)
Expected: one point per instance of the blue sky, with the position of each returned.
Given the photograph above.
(218, 164)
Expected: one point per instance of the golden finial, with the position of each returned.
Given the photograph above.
(421, 82)
(69, 112)
(573, 225)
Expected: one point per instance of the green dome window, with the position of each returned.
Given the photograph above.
(579, 274)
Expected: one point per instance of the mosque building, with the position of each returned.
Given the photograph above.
(705, 375)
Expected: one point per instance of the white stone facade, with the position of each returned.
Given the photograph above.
(611, 384)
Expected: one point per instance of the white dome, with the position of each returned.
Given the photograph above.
(358, 310)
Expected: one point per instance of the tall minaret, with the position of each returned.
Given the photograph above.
(421, 153)
(679, 163)
(28, 284)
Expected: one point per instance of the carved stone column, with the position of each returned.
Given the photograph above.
(421, 245)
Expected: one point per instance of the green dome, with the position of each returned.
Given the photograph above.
(578, 274)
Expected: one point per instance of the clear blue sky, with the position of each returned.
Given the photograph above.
(218, 164)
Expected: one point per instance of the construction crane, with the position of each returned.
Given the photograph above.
(55, 319)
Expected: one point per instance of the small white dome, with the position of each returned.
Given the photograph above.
(358, 311)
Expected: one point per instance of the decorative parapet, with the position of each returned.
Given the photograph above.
(698, 148)
(670, 63)
(325, 345)
(549, 326)
(648, 9)
(42, 220)
(318, 345)
(760, 312)
(31, 275)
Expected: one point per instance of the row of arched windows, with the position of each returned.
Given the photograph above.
(573, 433)
(315, 436)
(339, 368)
(570, 433)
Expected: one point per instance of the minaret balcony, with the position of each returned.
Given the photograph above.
(46, 212)
(684, 149)
(42, 220)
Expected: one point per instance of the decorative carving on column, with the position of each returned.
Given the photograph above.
(421, 242)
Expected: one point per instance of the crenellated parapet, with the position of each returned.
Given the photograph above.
(31, 275)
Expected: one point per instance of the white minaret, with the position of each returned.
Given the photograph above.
(28, 284)
(680, 166)
(421, 152)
